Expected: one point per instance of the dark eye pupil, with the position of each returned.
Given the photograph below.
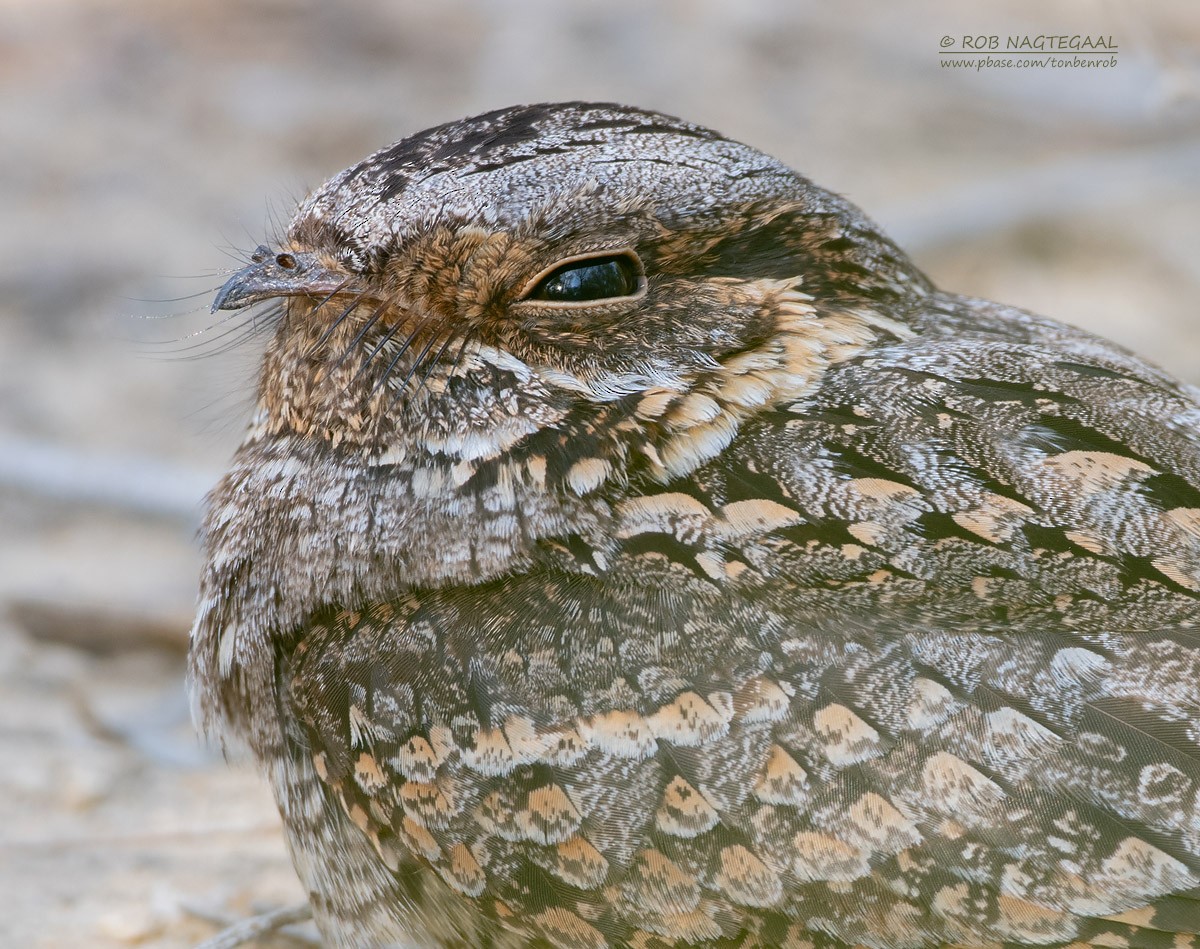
(597, 279)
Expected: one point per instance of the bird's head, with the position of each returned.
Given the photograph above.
(591, 269)
(491, 332)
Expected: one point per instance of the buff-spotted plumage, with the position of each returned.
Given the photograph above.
(631, 547)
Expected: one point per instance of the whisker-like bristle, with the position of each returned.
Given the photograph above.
(358, 337)
(417, 362)
(433, 361)
(206, 292)
(404, 348)
(456, 362)
(232, 323)
(375, 351)
(341, 318)
(218, 337)
(228, 340)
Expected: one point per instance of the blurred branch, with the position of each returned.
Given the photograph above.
(137, 485)
(98, 628)
(245, 931)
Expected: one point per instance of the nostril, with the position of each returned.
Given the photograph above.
(286, 261)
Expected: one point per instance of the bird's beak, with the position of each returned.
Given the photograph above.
(271, 274)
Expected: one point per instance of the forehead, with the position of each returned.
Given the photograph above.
(494, 170)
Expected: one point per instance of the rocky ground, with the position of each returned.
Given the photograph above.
(148, 145)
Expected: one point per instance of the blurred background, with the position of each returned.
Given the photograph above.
(148, 146)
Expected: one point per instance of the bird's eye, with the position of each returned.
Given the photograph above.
(590, 279)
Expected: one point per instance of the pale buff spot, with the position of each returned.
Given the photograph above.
(419, 840)
(527, 743)
(873, 823)
(1143, 916)
(735, 568)
(428, 482)
(587, 475)
(818, 856)
(996, 520)
(950, 829)
(712, 565)
(417, 760)
(657, 885)
(848, 739)
(1141, 870)
(381, 813)
(982, 588)
(391, 852)
(660, 514)
(952, 900)
(1185, 574)
(746, 880)
(867, 532)
(427, 804)
(1023, 921)
(463, 872)
(549, 816)
(536, 467)
(685, 452)
(693, 409)
(576, 862)
(1093, 471)
(655, 402)
(754, 517)
(1088, 541)
(990, 525)
(359, 818)
(624, 734)
(1186, 519)
(953, 787)
(462, 472)
(694, 928)
(781, 780)
(561, 927)
(1012, 735)
(881, 489)
(929, 705)
(691, 720)
(684, 811)
(492, 754)
(761, 700)
(748, 389)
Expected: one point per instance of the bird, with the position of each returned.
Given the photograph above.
(631, 547)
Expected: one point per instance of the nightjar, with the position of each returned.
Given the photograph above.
(631, 547)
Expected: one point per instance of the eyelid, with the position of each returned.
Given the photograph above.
(598, 255)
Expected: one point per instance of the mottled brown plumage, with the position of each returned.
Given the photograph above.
(631, 547)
